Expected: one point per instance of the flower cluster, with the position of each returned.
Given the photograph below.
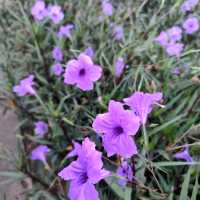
(118, 125)
(40, 11)
(170, 39)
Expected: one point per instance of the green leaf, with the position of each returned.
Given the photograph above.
(195, 188)
(116, 188)
(185, 185)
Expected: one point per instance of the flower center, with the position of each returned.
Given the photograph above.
(82, 72)
(118, 130)
(83, 178)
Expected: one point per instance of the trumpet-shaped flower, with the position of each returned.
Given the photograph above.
(39, 153)
(41, 128)
(142, 103)
(116, 128)
(25, 87)
(83, 173)
(82, 72)
(126, 172)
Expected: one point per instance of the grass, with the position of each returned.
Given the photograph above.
(26, 48)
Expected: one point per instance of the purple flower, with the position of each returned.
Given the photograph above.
(184, 155)
(107, 8)
(41, 128)
(188, 5)
(65, 31)
(176, 71)
(39, 153)
(141, 103)
(126, 172)
(162, 39)
(116, 128)
(55, 13)
(118, 32)
(191, 25)
(57, 54)
(83, 173)
(174, 33)
(89, 52)
(57, 69)
(119, 67)
(25, 87)
(174, 49)
(39, 10)
(82, 72)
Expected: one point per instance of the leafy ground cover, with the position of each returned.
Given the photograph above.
(133, 48)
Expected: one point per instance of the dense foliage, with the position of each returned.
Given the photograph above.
(127, 35)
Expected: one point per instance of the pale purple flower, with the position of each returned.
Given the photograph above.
(39, 10)
(25, 87)
(188, 5)
(174, 34)
(65, 31)
(82, 72)
(176, 71)
(107, 8)
(171, 35)
(118, 32)
(174, 49)
(41, 128)
(57, 54)
(116, 128)
(57, 69)
(125, 171)
(85, 172)
(119, 67)
(162, 39)
(55, 13)
(191, 25)
(89, 52)
(39, 153)
(142, 103)
(184, 155)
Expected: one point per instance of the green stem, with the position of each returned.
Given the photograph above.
(41, 102)
(146, 138)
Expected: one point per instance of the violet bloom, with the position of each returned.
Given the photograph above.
(142, 103)
(57, 69)
(174, 34)
(116, 128)
(84, 173)
(119, 67)
(82, 72)
(39, 10)
(118, 33)
(65, 31)
(174, 49)
(184, 155)
(39, 153)
(125, 171)
(89, 52)
(176, 71)
(107, 8)
(25, 87)
(55, 13)
(191, 25)
(189, 5)
(41, 128)
(57, 54)
(162, 39)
